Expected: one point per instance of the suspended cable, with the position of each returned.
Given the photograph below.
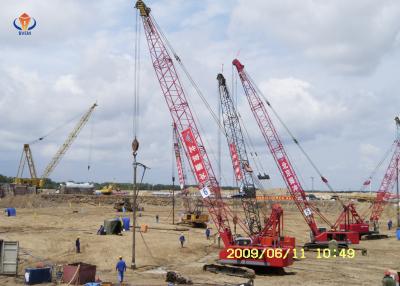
(200, 126)
(90, 147)
(193, 83)
(292, 136)
(373, 173)
(54, 130)
(135, 119)
(219, 141)
(197, 89)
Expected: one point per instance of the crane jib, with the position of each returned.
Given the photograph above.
(276, 147)
(182, 116)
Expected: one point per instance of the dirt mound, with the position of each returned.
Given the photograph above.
(26, 201)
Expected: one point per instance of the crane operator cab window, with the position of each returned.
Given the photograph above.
(243, 241)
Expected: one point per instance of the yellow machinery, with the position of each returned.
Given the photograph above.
(26, 156)
(362, 197)
(107, 190)
(197, 220)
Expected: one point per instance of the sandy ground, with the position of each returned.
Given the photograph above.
(46, 231)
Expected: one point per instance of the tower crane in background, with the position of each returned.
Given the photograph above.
(26, 156)
(193, 209)
(320, 236)
(200, 164)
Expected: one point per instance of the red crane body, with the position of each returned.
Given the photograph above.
(244, 175)
(319, 236)
(350, 220)
(197, 156)
(387, 184)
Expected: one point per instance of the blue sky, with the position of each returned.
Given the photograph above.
(329, 68)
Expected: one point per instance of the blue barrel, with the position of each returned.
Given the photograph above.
(11, 211)
(126, 222)
(398, 233)
(37, 275)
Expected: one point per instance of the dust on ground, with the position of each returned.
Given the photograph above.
(47, 226)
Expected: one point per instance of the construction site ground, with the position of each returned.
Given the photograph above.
(46, 227)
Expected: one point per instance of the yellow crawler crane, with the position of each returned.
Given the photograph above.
(26, 157)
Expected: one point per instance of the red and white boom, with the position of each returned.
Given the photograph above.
(195, 151)
(182, 116)
(384, 191)
(277, 150)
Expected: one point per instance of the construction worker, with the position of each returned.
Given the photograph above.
(78, 245)
(390, 224)
(182, 239)
(121, 268)
(388, 280)
(208, 233)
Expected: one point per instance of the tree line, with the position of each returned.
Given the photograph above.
(50, 184)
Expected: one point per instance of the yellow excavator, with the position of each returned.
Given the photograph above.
(108, 190)
(27, 159)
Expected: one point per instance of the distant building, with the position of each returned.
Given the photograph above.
(77, 188)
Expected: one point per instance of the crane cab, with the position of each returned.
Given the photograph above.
(243, 241)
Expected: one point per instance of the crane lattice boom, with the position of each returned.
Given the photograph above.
(387, 184)
(275, 146)
(240, 161)
(183, 118)
(70, 139)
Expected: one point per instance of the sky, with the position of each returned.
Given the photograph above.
(329, 68)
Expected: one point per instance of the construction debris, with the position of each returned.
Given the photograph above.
(175, 277)
(230, 270)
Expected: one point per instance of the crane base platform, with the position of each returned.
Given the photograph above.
(321, 245)
(193, 224)
(374, 236)
(231, 270)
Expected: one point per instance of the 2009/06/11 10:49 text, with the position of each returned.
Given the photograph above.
(263, 253)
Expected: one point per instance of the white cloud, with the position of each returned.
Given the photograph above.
(295, 101)
(369, 156)
(347, 37)
(67, 84)
(85, 55)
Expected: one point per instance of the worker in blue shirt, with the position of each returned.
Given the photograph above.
(121, 268)
(208, 233)
(390, 224)
(182, 239)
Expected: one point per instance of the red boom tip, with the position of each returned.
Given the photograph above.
(238, 65)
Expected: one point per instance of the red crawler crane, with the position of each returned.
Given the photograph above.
(320, 236)
(350, 220)
(236, 251)
(388, 181)
(271, 232)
